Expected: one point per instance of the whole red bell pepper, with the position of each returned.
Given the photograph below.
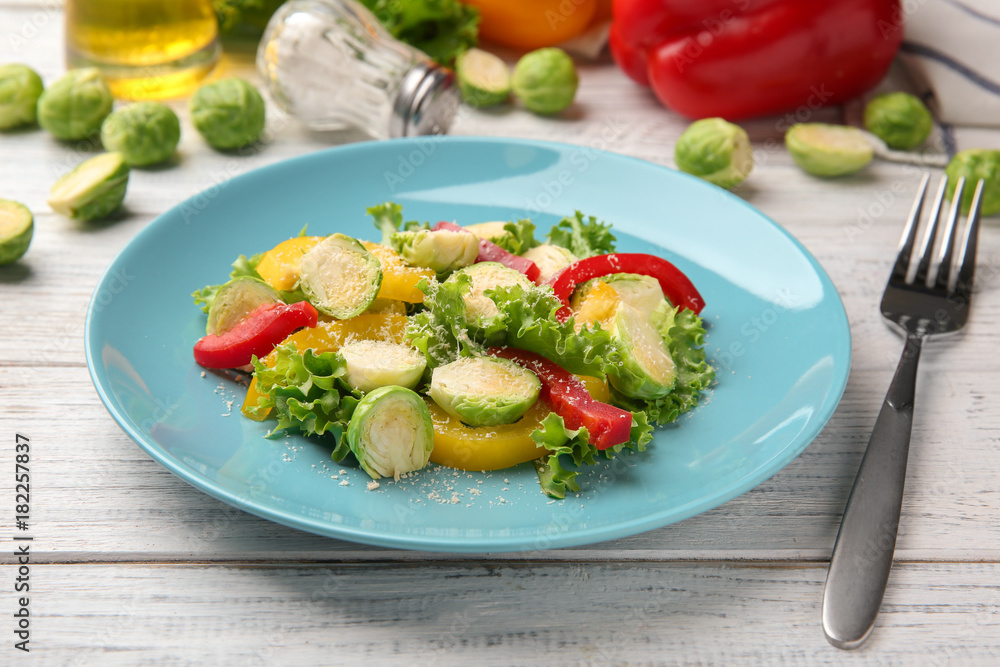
(607, 425)
(676, 286)
(743, 58)
(256, 334)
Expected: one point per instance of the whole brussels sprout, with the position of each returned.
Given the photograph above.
(545, 80)
(483, 78)
(828, 150)
(75, 105)
(16, 228)
(976, 164)
(716, 151)
(93, 190)
(144, 132)
(20, 88)
(228, 113)
(391, 432)
(484, 391)
(899, 119)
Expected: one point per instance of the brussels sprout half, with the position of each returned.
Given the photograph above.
(550, 260)
(545, 80)
(647, 369)
(899, 119)
(480, 310)
(976, 164)
(828, 150)
(494, 232)
(391, 432)
(641, 292)
(340, 277)
(715, 150)
(93, 190)
(373, 363)
(237, 299)
(20, 88)
(484, 391)
(75, 105)
(144, 132)
(441, 251)
(16, 228)
(483, 78)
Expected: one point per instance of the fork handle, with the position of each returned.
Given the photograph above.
(862, 555)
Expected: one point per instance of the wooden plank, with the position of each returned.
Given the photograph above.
(89, 476)
(495, 613)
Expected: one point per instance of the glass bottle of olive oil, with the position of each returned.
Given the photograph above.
(147, 49)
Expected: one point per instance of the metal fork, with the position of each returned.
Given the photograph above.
(926, 296)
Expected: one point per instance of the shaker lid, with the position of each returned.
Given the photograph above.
(427, 102)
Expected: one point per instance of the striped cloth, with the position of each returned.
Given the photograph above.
(952, 50)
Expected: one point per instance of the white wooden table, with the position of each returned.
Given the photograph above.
(131, 566)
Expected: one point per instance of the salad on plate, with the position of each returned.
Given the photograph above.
(476, 347)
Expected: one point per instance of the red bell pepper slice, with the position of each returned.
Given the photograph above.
(607, 425)
(256, 334)
(676, 286)
(745, 58)
(491, 252)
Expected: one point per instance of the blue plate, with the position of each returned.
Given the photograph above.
(778, 335)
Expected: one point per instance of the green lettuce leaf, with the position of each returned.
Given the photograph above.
(442, 29)
(307, 394)
(528, 317)
(583, 238)
(554, 477)
(526, 320)
(684, 334)
(388, 219)
(520, 239)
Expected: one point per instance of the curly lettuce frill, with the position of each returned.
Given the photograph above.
(307, 393)
(583, 237)
(526, 320)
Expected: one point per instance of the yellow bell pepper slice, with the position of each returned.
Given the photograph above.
(329, 337)
(279, 266)
(399, 279)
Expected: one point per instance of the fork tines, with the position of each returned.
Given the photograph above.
(923, 268)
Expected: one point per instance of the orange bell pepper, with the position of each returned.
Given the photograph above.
(279, 267)
(532, 24)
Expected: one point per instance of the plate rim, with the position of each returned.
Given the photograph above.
(449, 544)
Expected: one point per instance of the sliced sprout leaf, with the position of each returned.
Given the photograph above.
(307, 394)
(583, 237)
(685, 335)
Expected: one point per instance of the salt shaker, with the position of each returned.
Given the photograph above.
(332, 65)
